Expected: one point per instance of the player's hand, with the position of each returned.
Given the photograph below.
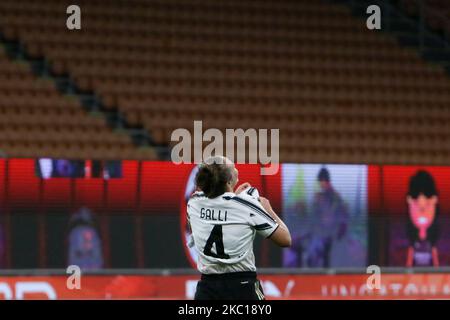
(242, 187)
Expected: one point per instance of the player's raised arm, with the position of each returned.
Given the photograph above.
(281, 236)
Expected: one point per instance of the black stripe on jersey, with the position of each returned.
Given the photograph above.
(263, 226)
(250, 191)
(273, 231)
(254, 207)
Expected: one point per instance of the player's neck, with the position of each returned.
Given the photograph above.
(229, 188)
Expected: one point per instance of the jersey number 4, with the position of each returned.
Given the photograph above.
(216, 237)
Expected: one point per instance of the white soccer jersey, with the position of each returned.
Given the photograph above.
(223, 230)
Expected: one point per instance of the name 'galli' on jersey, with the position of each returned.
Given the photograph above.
(213, 214)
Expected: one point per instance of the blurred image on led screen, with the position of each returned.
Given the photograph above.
(417, 203)
(63, 168)
(325, 207)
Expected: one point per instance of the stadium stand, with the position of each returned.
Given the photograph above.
(37, 120)
(337, 92)
(437, 12)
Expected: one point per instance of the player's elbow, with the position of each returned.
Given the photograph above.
(286, 242)
(282, 238)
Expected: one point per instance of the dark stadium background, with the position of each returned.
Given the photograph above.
(139, 69)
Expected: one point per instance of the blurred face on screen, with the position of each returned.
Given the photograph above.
(324, 185)
(422, 211)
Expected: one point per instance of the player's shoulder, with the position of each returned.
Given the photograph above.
(249, 195)
(250, 192)
(197, 195)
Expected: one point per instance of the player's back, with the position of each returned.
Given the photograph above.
(224, 228)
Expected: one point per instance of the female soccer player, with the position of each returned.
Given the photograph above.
(223, 225)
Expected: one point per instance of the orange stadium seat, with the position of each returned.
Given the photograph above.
(336, 92)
